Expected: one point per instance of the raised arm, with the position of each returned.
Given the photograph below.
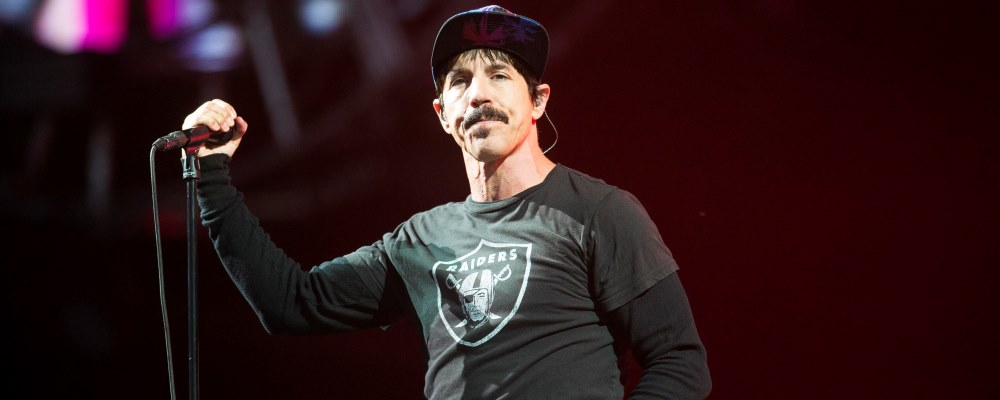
(345, 293)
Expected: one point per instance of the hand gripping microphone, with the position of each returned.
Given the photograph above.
(193, 137)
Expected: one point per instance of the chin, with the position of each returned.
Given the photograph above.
(485, 153)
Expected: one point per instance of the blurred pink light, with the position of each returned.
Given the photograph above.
(163, 19)
(105, 25)
(168, 18)
(72, 26)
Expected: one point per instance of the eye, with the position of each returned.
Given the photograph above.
(457, 81)
(500, 76)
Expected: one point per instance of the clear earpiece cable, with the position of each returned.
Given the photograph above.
(553, 130)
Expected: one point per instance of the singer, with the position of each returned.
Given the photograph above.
(533, 287)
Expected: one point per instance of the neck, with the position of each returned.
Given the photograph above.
(505, 177)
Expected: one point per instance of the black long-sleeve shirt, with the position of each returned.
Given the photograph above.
(502, 312)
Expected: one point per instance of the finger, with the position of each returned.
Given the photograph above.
(207, 114)
(225, 108)
(221, 108)
(241, 126)
(225, 112)
(215, 118)
(211, 119)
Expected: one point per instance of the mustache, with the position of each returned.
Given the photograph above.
(484, 113)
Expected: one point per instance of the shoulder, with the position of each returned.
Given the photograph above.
(598, 197)
(445, 210)
(419, 224)
(581, 186)
(598, 200)
(582, 179)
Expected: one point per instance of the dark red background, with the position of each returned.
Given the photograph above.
(825, 172)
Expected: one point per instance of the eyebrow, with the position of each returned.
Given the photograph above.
(492, 67)
(455, 71)
(498, 67)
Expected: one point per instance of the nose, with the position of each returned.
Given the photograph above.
(479, 92)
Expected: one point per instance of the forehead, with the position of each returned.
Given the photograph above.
(482, 58)
(486, 60)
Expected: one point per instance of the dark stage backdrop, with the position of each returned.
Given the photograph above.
(825, 172)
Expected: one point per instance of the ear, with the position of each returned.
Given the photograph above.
(439, 110)
(544, 91)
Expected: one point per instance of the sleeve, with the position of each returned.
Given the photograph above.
(627, 255)
(347, 293)
(660, 331)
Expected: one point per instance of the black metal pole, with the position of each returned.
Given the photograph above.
(192, 172)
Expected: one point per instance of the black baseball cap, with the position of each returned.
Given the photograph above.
(491, 27)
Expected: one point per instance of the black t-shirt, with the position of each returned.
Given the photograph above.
(509, 294)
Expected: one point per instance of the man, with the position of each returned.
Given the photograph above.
(534, 287)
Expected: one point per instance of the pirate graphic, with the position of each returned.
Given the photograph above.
(481, 291)
(476, 295)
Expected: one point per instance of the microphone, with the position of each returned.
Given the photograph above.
(193, 137)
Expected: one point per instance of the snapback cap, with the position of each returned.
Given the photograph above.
(491, 27)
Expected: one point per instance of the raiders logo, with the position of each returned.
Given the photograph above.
(480, 292)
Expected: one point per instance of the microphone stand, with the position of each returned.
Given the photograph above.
(192, 173)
